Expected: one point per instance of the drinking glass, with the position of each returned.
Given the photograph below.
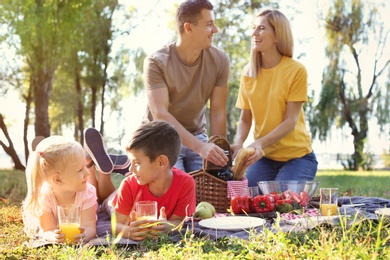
(69, 222)
(328, 201)
(146, 210)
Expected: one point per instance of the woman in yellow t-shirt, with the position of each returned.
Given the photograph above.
(272, 91)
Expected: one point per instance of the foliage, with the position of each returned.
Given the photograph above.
(386, 158)
(351, 93)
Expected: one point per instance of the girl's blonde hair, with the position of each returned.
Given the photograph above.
(51, 156)
(285, 44)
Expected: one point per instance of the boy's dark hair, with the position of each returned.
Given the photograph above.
(189, 11)
(156, 138)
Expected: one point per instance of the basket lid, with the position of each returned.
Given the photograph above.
(223, 143)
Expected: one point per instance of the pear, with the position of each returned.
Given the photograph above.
(202, 213)
(207, 205)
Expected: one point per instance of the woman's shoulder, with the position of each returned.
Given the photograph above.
(291, 62)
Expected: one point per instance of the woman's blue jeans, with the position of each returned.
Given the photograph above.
(304, 168)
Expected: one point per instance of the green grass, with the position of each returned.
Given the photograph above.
(363, 239)
(365, 183)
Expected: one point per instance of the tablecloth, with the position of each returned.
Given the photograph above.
(367, 210)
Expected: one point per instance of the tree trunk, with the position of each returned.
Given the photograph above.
(28, 99)
(79, 129)
(42, 92)
(93, 104)
(10, 150)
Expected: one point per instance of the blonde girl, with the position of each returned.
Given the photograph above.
(56, 175)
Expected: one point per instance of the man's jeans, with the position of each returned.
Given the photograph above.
(189, 160)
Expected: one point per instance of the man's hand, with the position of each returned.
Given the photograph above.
(214, 154)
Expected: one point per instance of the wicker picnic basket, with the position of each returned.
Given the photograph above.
(210, 188)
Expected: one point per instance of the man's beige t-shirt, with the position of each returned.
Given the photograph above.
(189, 86)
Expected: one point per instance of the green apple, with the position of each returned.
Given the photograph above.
(207, 205)
(202, 213)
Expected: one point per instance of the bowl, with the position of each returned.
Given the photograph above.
(290, 188)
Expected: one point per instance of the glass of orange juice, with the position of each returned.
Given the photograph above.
(69, 222)
(328, 201)
(146, 210)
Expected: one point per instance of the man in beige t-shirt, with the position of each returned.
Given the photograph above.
(182, 77)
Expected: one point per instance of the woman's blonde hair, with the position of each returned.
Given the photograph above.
(51, 156)
(283, 33)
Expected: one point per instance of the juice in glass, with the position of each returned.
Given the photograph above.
(328, 201)
(328, 209)
(69, 221)
(70, 230)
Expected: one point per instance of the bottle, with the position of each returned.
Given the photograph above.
(225, 174)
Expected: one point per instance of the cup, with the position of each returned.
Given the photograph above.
(69, 222)
(146, 210)
(328, 201)
(253, 191)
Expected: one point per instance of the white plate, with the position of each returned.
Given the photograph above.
(314, 220)
(383, 211)
(234, 223)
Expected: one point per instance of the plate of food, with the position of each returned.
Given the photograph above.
(383, 211)
(232, 223)
(314, 220)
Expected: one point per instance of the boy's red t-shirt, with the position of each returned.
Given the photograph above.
(175, 200)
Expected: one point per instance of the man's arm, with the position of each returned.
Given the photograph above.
(158, 101)
(218, 100)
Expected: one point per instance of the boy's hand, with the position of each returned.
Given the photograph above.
(163, 226)
(136, 230)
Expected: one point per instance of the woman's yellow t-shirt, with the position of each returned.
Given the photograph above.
(267, 96)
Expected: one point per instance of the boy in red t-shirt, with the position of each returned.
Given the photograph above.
(152, 150)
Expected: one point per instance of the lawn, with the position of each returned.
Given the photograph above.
(362, 240)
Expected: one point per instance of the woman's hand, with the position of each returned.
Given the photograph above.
(259, 153)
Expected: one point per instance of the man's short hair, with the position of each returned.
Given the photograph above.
(189, 11)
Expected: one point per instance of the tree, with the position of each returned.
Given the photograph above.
(10, 149)
(351, 93)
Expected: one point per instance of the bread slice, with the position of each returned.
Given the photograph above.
(239, 167)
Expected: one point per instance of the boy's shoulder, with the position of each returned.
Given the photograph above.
(181, 175)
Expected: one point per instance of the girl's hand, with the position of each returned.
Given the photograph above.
(81, 236)
(55, 236)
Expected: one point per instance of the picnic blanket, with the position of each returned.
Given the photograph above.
(367, 210)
